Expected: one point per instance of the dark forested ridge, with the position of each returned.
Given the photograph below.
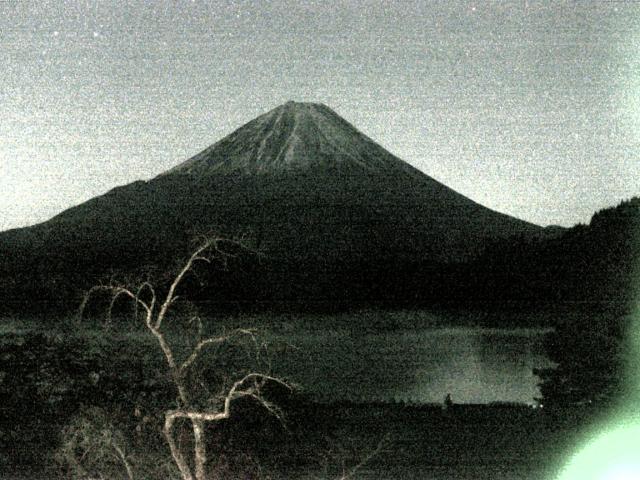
(594, 264)
(598, 272)
(587, 265)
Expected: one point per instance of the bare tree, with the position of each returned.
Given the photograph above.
(93, 444)
(339, 455)
(155, 309)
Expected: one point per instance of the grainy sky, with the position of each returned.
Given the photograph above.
(531, 108)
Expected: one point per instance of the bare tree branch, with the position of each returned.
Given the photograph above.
(234, 391)
(248, 386)
(176, 452)
(212, 341)
(346, 475)
(116, 291)
(123, 459)
(114, 299)
(178, 279)
(146, 285)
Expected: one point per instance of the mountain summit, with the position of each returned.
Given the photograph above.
(293, 136)
(333, 212)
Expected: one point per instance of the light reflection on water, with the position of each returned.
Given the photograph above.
(474, 365)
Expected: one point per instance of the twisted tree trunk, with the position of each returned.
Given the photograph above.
(200, 448)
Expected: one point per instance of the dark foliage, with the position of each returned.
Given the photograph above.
(46, 379)
(596, 266)
(588, 264)
(51, 382)
(589, 349)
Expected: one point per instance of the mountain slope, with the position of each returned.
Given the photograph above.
(310, 190)
(292, 136)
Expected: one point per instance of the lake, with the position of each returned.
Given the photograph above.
(472, 364)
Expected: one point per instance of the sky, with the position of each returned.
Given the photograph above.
(530, 108)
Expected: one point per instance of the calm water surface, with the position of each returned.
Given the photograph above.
(474, 365)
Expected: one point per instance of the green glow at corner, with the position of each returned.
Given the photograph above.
(613, 450)
(614, 455)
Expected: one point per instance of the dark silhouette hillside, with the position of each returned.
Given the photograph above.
(595, 265)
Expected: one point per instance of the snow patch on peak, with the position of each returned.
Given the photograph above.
(264, 140)
(294, 135)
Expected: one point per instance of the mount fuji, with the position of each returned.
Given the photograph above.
(312, 192)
